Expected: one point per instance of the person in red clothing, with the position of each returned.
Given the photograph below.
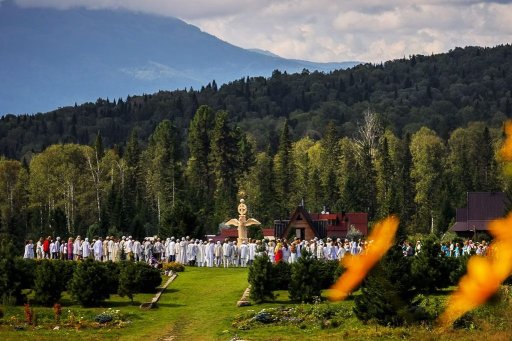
(46, 247)
(278, 251)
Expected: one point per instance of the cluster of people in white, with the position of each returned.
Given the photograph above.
(185, 250)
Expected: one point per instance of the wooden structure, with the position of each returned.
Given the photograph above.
(242, 222)
(481, 208)
(306, 226)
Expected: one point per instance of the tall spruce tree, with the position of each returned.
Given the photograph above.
(224, 165)
(199, 175)
(164, 171)
(284, 171)
(330, 155)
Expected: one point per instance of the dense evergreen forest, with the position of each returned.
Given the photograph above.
(409, 136)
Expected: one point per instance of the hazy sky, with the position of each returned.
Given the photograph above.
(323, 30)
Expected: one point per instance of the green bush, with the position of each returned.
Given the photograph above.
(174, 266)
(10, 282)
(48, 284)
(148, 278)
(387, 292)
(128, 284)
(89, 285)
(66, 270)
(260, 279)
(113, 271)
(280, 276)
(458, 267)
(304, 283)
(26, 269)
(430, 271)
(328, 273)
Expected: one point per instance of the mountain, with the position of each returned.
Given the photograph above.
(51, 58)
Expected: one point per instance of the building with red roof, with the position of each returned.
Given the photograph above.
(305, 225)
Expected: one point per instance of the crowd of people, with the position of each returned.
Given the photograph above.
(207, 253)
(185, 250)
(465, 248)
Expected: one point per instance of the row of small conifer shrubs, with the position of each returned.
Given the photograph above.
(88, 282)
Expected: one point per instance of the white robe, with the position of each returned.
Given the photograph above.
(210, 254)
(29, 251)
(98, 249)
(86, 249)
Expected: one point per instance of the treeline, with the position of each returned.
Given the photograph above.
(441, 92)
(76, 189)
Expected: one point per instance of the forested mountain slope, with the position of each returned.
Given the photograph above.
(442, 92)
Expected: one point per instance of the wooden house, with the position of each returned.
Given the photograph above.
(481, 208)
(306, 226)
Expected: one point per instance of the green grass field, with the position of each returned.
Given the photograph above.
(201, 305)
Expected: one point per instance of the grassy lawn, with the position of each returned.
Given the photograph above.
(201, 305)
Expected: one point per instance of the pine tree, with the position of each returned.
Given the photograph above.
(127, 280)
(199, 175)
(387, 292)
(89, 285)
(304, 284)
(260, 279)
(330, 154)
(224, 166)
(430, 270)
(48, 283)
(284, 170)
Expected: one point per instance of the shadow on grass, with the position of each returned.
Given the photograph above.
(170, 291)
(169, 305)
(118, 304)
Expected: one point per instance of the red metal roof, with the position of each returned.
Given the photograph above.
(229, 233)
(268, 232)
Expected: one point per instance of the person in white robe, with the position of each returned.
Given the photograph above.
(110, 248)
(63, 251)
(183, 251)
(165, 253)
(177, 252)
(271, 245)
(157, 249)
(39, 248)
(137, 251)
(148, 250)
(235, 255)
(53, 250)
(286, 253)
(244, 254)
(226, 253)
(29, 250)
(201, 252)
(252, 251)
(191, 253)
(218, 254)
(128, 248)
(105, 249)
(77, 248)
(86, 248)
(98, 249)
(116, 257)
(210, 253)
(57, 245)
(171, 250)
